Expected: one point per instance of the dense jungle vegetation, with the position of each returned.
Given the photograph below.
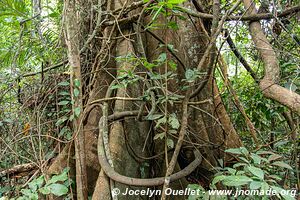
(100, 98)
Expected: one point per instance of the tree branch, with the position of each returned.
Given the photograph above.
(111, 173)
(239, 56)
(18, 169)
(247, 17)
(268, 84)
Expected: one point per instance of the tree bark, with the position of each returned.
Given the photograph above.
(72, 41)
(131, 141)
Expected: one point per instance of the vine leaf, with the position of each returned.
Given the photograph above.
(62, 103)
(58, 189)
(257, 172)
(160, 135)
(173, 121)
(77, 111)
(170, 143)
(282, 164)
(236, 180)
(76, 92)
(154, 117)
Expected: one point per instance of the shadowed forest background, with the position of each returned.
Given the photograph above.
(99, 96)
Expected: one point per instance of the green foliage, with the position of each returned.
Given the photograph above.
(191, 75)
(56, 185)
(166, 9)
(261, 171)
(29, 42)
(200, 194)
(126, 78)
(76, 93)
(65, 102)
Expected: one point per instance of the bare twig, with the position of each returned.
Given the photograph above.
(18, 169)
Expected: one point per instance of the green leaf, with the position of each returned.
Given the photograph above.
(218, 179)
(149, 65)
(254, 185)
(160, 135)
(58, 189)
(62, 103)
(281, 143)
(162, 57)
(277, 189)
(154, 117)
(161, 121)
(172, 131)
(77, 83)
(54, 15)
(77, 111)
(4, 190)
(64, 131)
(244, 159)
(282, 164)
(238, 165)
(76, 92)
(157, 12)
(171, 47)
(264, 186)
(236, 180)
(71, 117)
(244, 151)
(190, 75)
(64, 93)
(61, 121)
(65, 83)
(31, 195)
(221, 162)
(175, 1)
(26, 192)
(240, 173)
(256, 158)
(170, 143)
(172, 64)
(68, 182)
(230, 170)
(257, 172)
(36, 183)
(173, 121)
(195, 187)
(274, 157)
(8, 120)
(45, 190)
(287, 195)
(61, 177)
(197, 195)
(116, 86)
(173, 25)
(241, 150)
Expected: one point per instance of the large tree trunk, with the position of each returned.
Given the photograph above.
(130, 140)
